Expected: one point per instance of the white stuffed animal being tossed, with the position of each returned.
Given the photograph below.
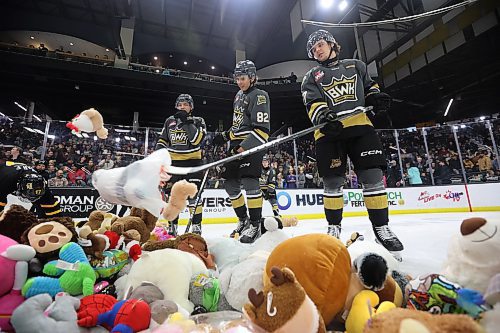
(88, 121)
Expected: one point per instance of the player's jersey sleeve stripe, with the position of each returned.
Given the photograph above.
(262, 134)
(315, 109)
(53, 213)
(50, 206)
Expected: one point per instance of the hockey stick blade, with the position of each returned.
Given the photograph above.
(341, 116)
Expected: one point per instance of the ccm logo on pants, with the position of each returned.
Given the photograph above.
(371, 152)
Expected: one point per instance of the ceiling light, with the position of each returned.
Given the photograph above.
(71, 44)
(482, 117)
(32, 37)
(22, 107)
(462, 126)
(200, 60)
(185, 62)
(107, 50)
(95, 137)
(117, 139)
(51, 136)
(343, 5)
(326, 3)
(157, 71)
(133, 139)
(448, 107)
(213, 67)
(155, 58)
(127, 137)
(170, 56)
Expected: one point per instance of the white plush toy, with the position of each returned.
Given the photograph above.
(168, 269)
(473, 255)
(137, 185)
(490, 320)
(235, 281)
(89, 121)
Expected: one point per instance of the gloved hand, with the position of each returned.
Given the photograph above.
(333, 127)
(381, 102)
(219, 139)
(234, 151)
(181, 115)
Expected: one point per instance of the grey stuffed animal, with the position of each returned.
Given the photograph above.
(38, 314)
(201, 284)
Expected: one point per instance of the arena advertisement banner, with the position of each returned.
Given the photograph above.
(308, 203)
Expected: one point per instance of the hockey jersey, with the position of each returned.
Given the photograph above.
(251, 119)
(10, 174)
(341, 86)
(183, 140)
(267, 180)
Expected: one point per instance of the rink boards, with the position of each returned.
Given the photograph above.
(308, 203)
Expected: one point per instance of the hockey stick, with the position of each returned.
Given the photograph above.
(197, 201)
(341, 116)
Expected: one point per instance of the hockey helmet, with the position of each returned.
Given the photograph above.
(185, 98)
(316, 37)
(31, 187)
(245, 67)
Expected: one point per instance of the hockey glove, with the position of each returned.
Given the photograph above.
(333, 127)
(220, 138)
(182, 116)
(381, 102)
(234, 151)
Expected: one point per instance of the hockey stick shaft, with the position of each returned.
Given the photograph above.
(197, 201)
(186, 170)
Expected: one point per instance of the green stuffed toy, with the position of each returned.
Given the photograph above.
(76, 276)
(205, 291)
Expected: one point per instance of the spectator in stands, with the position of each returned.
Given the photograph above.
(413, 174)
(59, 180)
(454, 164)
(292, 78)
(107, 163)
(51, 171)
(16, 155)
(279, 181)
(484, 163)
(40, 168)
(42, 50)
(76, 176)
(291, 179)
(393, 174)
(301, 178)
(442, 173)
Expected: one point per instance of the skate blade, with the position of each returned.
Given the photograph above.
(397, 255)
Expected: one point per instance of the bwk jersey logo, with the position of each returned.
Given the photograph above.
(341, 90)
(178, 137)
(237, 117)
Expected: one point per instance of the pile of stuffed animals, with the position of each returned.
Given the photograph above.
(125, 274)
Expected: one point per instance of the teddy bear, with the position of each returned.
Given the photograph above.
(169, 269)
(283, 306)
(15, 220)
(189, 242)
(74, 275)
(39, 314)
(14, 259)
(410, 321)
(47, 237)
(473, 254)
(137, 185)
(99, 221)
(88, 121)
(322, 265)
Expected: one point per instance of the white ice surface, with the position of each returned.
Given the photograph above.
(425, 236)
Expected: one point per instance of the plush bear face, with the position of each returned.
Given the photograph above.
(480, 239)
(49, 236)
(83, 123)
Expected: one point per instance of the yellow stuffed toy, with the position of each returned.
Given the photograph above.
(363, 309)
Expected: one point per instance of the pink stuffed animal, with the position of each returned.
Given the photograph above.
(14, 259)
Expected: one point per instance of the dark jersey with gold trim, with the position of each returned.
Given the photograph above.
(251, 119)
(342, 86)
(10, 174)
(183, 140)
(267, 179)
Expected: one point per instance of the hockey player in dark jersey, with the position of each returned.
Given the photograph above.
(24, 182)
(250, 128)
(182, 135)
(268, 185)
(338, 85)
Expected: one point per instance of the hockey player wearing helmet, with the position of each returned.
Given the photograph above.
(182, 135)
(29, 186)
(250, 128)
(338, 85)
(268, 185)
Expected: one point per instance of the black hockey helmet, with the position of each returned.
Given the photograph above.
(185, 98)
(245, 67)
(316, 37)
(31, 186)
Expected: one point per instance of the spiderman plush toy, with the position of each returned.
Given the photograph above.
(127, 316)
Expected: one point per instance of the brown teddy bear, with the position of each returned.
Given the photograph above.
(15, 220)
(148, 218)
(131, 227)
(192, 243)
(100, 221)
(406, 321)
(283, 306)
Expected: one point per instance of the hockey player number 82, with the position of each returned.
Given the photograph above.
(262, 117)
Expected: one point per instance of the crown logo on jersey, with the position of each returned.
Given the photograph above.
(178, 137)
(237, 117)
(341, 90)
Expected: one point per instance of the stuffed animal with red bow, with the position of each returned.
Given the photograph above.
(88, 121)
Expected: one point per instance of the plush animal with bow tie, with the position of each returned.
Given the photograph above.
(88, 121)
(283, 306)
